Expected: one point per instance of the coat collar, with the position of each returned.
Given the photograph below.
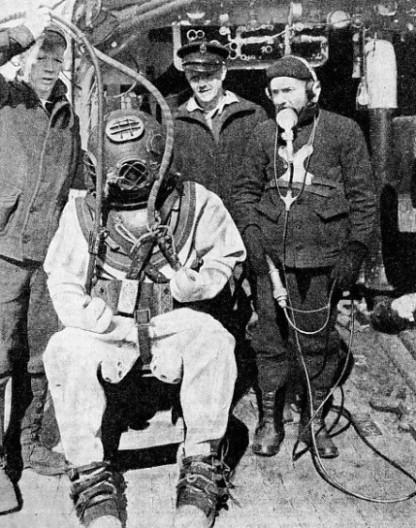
(31, 99)
(227, 99)
(239, 106)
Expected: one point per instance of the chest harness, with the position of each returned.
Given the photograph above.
(145, 291)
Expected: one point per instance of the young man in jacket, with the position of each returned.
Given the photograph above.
(213, 127)
(212, 130)
(39, 154)
(147, 306)
(304, 198)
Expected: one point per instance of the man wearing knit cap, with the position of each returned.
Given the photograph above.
(305, 204)
(212, 130)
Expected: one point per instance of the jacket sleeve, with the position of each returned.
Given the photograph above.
(261, 115)
(218, 246)
(359, 185)
(249, 185)
(66, 265)
(13, 41)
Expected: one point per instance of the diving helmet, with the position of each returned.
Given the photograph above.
(133, 148)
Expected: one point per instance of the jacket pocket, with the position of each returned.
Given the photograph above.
(332, 208)
(9, 199)
(269, 209)
(269, 219)
(334, 223)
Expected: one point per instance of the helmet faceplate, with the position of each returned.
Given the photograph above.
(133, 149)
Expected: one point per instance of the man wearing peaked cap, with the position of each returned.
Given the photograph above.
(305, 198)
(212, 130)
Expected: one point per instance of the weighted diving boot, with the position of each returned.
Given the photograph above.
(324, 443)
(202, 491)
(270, 432)
(98, 493)
(35, 454)
(8, 497)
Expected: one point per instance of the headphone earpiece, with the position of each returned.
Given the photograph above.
(313, 89)
(311, 86)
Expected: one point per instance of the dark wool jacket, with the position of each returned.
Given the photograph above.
(214, 163)
(339, 206)
(39, 156)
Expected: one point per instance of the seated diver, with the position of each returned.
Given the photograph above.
(146, 305)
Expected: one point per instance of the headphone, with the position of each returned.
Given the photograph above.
(313, 87)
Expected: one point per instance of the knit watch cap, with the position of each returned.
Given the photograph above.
(53, 28)
(290, 66)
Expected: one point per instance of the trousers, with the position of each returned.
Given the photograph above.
(27, 316)
(188, 347)
(277, 344)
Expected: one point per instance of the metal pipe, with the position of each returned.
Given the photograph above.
(131, 12)
(146, 17)
(154, 9)
(119, 4)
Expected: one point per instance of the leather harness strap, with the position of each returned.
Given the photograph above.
(137, 260)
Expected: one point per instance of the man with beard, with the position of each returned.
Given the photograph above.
(305, 204)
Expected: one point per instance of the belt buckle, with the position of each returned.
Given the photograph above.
(142, 317)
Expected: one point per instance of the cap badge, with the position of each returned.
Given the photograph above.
(203, 48)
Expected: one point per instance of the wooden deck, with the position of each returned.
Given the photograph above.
(277, 492)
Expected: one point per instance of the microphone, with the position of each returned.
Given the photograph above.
(279, 291)
(287, 119)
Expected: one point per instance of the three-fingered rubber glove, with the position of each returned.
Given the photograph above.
(347, 268)
(188, 285)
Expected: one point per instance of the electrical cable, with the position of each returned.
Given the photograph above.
(330, 480)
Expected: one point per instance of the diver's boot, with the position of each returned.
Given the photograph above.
(270, 432)
(8, 497)
(324, 443)
(35, 454)
(202, 491)
(98, 493)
